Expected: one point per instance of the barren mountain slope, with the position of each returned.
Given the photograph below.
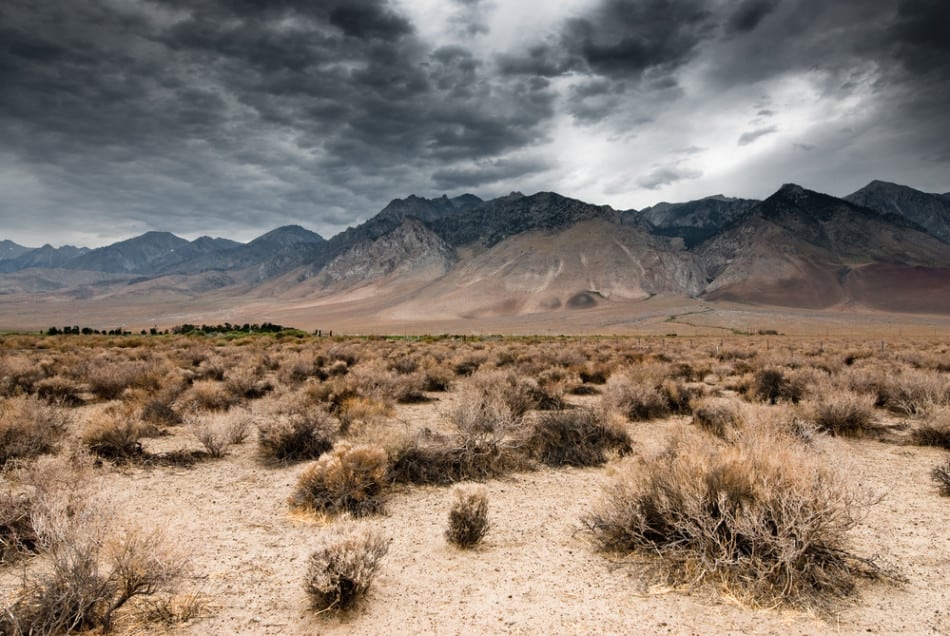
(589, 263)
(799, 248)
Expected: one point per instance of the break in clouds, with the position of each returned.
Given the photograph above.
(231, 117)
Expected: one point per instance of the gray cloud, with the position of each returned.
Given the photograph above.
(230, 117)
(748, 137)
(619, 39)
(237, 114)
(749, 14)
(486, 173)
(667, 175)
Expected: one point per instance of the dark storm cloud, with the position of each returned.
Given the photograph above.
(215, 115)
(619, 39)
(233, 116)
(748, 15)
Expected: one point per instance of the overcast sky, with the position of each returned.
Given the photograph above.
(232, 117)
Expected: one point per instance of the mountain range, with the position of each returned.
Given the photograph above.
(886, 246)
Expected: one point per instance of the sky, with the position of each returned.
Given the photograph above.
(233, 117)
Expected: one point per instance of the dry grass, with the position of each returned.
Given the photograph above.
(764, 518)
(468, 516)
(342, 567)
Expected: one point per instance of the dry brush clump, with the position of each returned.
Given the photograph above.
(913, 391)
(217, 432)
(941, 475)
(468, 516)
(209, 395)
(29, 427)
(298, 431)
(636, 397)
(350, 478)
(934, 431)
(575, 437)
(342, 567)
(719, 416)
(764, 517)
(842, 412)
(17, 534)
(482, 447)
(89, 565)
(114, 433)
(774, 384)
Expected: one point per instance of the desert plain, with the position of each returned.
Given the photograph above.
(190, 453)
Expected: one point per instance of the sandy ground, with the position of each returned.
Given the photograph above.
(660, 315)
(536, 572)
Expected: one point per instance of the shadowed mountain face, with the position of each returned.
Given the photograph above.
(693, 221)
(9, 249)
(930, 211)
(800, 248)
(47, 257)
(543, 253)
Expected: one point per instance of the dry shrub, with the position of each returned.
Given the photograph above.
(941, 475)
(518, 394)
(437, 378)
(678, 396)
(718, 416)
(913, 392)
(19, 374)
(636, 399)
(89, 566)
(160, 411)
(107, 379)
(842, 412)
(374, 381)
(218, 432)
(61, 391)
(17, 535)
(764, 517)
(86, 577)
(478, 413)
(772, 385)
(468, 516)
(246, 382)
(419, 461)
(347, 479)
(302, 432)
(577, 437)
(342, 567)
(935, 431)
(29, 427)
(210, 395)
(114, 433)
(479, 450)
